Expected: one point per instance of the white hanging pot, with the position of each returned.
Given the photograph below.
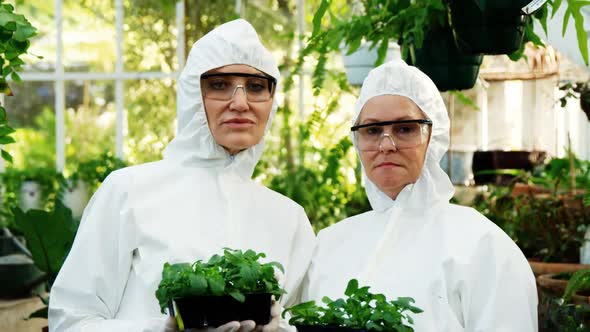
(30, 195)
(76, 197)
(359, 63)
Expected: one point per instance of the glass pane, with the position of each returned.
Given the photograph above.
(151, 114)
(89, 35)
(90, 121)
(40, 13)
(150, 36)
(31, 112)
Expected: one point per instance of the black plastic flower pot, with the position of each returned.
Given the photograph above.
(490, 31)
(327, 328)
(503, 160)
(18, 276)
(510, 5)
(443, 62)
(213, 311)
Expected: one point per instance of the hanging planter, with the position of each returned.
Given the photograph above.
(443, 62)
(490, 29)
(514, 6)
(359, 63)
(585, 99)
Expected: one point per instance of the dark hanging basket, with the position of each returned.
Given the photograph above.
(496, 29)
(503, 5)
(439, 58)
(585, 100)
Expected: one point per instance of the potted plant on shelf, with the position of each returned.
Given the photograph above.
(361, 310)
(85, 180)
(234, 286)
(564, 301)
(548, 220)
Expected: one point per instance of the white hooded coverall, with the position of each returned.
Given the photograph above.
(188, 206)
(462, 270)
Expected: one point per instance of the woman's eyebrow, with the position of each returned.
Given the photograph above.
(404, 117)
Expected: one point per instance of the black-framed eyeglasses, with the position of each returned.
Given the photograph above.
(404, 133)
(223, 86)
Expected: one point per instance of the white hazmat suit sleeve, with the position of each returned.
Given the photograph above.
(508, 300)
(87, 293)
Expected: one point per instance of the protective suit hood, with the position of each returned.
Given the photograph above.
(433, 185)
(235, 42)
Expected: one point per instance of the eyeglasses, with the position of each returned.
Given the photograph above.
(404, 134)
(223, 86)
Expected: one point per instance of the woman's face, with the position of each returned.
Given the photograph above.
(237, 106)
(389, 167)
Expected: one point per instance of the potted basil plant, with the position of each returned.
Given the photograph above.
(234, 286)
(361, 310)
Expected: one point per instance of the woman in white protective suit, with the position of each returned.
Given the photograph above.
(461, 269)
(197, 200)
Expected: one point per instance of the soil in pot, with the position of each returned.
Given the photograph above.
(213, 311)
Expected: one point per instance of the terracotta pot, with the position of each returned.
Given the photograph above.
(527, 189)
(540, 268)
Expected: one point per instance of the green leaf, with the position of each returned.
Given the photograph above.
(24, 32)
(237, 295)
(6, 156)
(352, 287)
(581, 34)
(15, 76)
(6, 140)
(49, 235)
(40, 313)
(555, 6)
(382, 51)
(566, 18)
(317, 17)
(216, 284)
(5, 130)
(198, 284)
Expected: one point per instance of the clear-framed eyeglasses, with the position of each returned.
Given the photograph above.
(403, 134)
(223, 86)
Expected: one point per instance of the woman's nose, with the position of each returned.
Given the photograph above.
(239, 100)
(386, 144)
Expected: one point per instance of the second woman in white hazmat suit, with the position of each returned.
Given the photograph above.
(461, 269)
(199, 199)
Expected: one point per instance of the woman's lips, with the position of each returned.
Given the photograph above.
(239, 123)
(387, 165)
